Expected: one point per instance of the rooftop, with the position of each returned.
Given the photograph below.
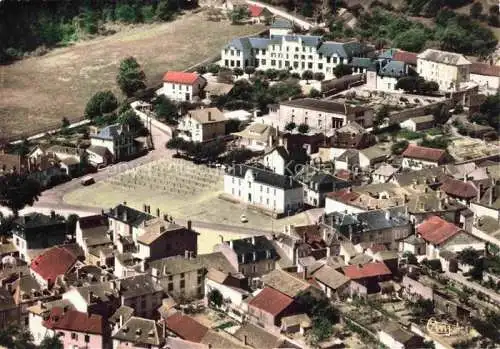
(140, 331)
(424, 153)
(74, 321)
(436, 230)
(443, 57)
(271, 301)
(207, 115)
(186, 327)
(263, 176)
(459, 188)
(257, 337)
(355, 272)
(176, 265)
(285, 283)
(53, 262)
(323, 105)
(330, 277)
(129, 215)
(179, 77)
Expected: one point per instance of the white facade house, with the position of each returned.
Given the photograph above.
(280, 27)
(264, 189)
(448, 69)
(297, 53)
(417, 158)
(319, 115)
(257, 137)
(117, 139)
(201, 125)
(276, 160)
(386, 78)
(181, 86)
(486, 76)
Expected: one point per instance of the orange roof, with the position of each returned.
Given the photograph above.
(436, 230)
(423, 153)
(255, 11)
(179, 77)
(355, 272)
(405, 56)
(459, 188)
(271, 301)
(186, 327)
(485, 69)
(53, 262)
(74, 321)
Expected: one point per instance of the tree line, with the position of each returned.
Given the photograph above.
(28, 25)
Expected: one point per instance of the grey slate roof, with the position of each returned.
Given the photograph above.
(125, 311)
(138, 285)
(281, 23)
(110, 132)
(394, 69)
(141, 331)
(245, 247)
(129, 215)
(99, 150)
(266, 177)
(361, 62)
(176, 265)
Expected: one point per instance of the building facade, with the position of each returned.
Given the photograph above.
(447, 69)
(181, 86)
(202, 125)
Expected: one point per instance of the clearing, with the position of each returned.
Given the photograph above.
(36, 93)
(180, 189)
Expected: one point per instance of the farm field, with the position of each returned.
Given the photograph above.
(38, 92)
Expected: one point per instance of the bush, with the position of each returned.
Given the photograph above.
(213, 68)
(125, 13)
(319, 76)
(303, 128)
(399, 147)
(314, 93)
(201, 69)
(307, 75)
(238, 71)
(271, 74)
(341, 70)
(290, 126)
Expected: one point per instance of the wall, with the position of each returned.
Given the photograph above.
(94, 340)
(275, 162)
(480, 210)
(487, 84)
(145, 305)
(417, 164)
(235, 297)
(399, 116)
(414, 288)
(332, 205)
(178, 92)
(447, 76)
(389, 341)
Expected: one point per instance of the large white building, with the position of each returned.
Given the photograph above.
(319, 115)
(297, 53)
(448, 69)
(264, 189)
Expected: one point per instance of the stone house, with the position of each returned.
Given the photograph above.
(416, 157)
(269, 306)
(137, 332)
(418, 123)
(257, 137)
(202, 125)
(447, 69)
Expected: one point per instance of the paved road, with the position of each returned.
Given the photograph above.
(52, 199)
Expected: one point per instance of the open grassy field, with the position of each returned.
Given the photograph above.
(38, 92)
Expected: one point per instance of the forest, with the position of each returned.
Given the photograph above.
(32, 27)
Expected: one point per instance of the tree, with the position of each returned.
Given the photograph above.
(132, 120)
(468, 256)
(410, 257)
(239, 14)
(271, 74)
(491, 109)
(290, 126)
(166, 109)
(165, 10)
(102, 102)
(17, 191)
(303, 128)
(215, 298)
(51, 343)
(307, 75)
(318, 76)
(65, 122)
(213, 68)
(313, 93)
(238, 71)
(307, 9)
(71, 224)
(130, 76)
(441, 114)
(249, 70)
(125, 13)
(381, 116)
(201, 69)
(321, 330)
(412, 40)
(422, 308)
(399, 147)
(176, 143)
(436, 142)
(233, 125)
(341, 70)
(238, 156)
(476, 10)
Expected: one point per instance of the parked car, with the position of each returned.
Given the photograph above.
(243, 218)
(87, 180)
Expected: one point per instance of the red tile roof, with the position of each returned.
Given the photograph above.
(53, 262)
(423, 153)
(485, 69)
(459, 189)
(255, 11)
(344, 195)
(405, 56)
(186, 327)
(436, 230)
(271, 301)
(355, 272)
(74, 321)
(179, 77)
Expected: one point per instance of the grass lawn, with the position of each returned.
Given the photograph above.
(38, 92)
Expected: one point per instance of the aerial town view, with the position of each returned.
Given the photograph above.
(249, 174)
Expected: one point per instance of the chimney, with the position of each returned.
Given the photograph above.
(189, 225)
(245, 341)
(231, 244)
(304, 273)
(91, 296)
(149, 209)
(145, 208)
(121, 321)
(165, 217)
(124, 203)
(209, 113)
(52, 214)
(253, 240)
(157, 212)
(387, 215)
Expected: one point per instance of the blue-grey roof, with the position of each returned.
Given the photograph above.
(281, 23)
(110, 132)
(361, 62)
(328, 48)
(388, 53)
(394, 69)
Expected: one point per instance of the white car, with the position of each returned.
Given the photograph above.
(243, 218)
